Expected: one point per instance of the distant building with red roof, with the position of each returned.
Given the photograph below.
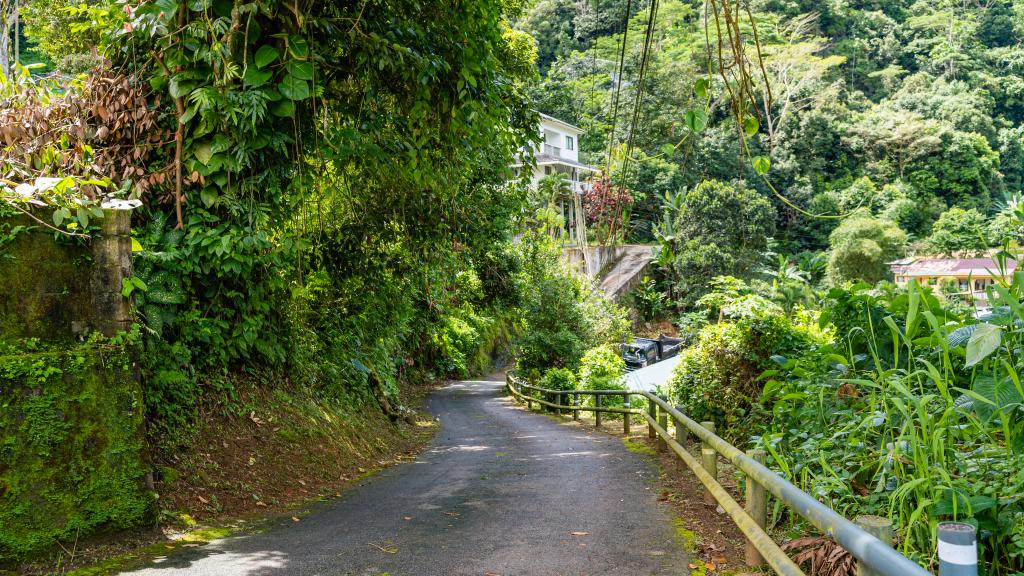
(971, 275)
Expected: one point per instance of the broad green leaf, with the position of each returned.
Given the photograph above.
(700, 87)
(667, 149)
(1002, 393)
(298, 47)
(961, 335)
(750, 125)
(180, 86)
(58, 218)
(265, 55)
(271, 94)
(254, 77)
(761, 164)
(208, 196)
(190, 113)
(284, 109)
(203, 152)
(984, 341)
(293, 88)
(696, 120)
(137, 246)
(83, 216)
(301, 70)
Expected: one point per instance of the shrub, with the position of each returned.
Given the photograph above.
(602, 368)
(563, 316)
(558, 379)
(718, 379)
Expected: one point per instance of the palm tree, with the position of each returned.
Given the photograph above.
(544, 201)
(782, 271)
(551, 189)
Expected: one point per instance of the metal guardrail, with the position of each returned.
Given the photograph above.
(874, 556)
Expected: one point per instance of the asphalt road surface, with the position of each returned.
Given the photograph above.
(500, 492)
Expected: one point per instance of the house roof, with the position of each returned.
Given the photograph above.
(928, 267)
(562, 122)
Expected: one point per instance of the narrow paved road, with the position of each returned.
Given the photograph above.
(500, 492)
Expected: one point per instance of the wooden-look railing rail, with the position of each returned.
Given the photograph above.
(874, 556)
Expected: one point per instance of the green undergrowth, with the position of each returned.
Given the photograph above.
(269, 457)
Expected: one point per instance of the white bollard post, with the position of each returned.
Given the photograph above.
(958, 549)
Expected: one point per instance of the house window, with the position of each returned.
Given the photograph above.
(569, 143)
(574, 178)
(547, 170)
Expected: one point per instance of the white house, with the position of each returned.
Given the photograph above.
(558, 153)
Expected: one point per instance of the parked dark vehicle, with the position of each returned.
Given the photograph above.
(643, 352)
(668, 346)
(639, 353)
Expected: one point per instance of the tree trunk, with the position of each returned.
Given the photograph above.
(8, 15)
(5, 43)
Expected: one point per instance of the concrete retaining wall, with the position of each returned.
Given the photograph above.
(60, 288)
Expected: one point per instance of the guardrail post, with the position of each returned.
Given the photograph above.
(958, 549)
(652, 412)
(529, 401)
(680, 430)
(597, 413)
(709, 460)
(575, 406)
(757, 508)
(625, 417)
(878, 527)
(663, 422)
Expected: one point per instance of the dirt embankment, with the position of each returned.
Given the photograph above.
(276, 452)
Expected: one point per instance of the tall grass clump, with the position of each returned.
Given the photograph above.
(912, 412)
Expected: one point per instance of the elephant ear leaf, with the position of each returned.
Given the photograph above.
(984, 341)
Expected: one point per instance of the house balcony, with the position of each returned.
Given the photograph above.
(551, 150)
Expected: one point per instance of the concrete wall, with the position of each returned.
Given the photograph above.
(616, 269)
(59, 288)
(592, 260)
(73, 457)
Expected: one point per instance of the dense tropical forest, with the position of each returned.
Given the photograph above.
(323, 204)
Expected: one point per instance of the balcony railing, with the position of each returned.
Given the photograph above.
(552, 150)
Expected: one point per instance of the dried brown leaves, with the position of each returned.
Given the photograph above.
(108, 129)
(821, 557)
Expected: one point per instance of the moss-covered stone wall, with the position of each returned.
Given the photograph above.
(57, 288)
(72, 449)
